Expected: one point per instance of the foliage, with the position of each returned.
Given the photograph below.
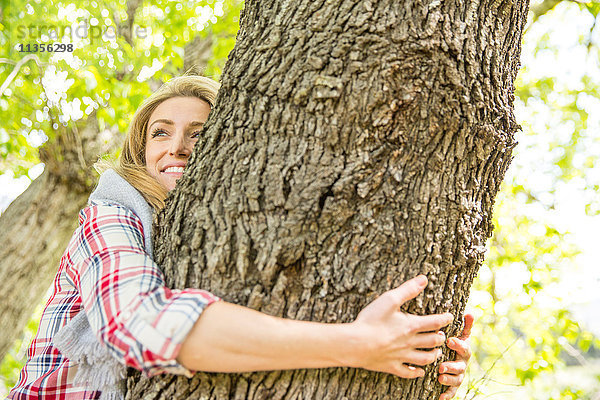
(558, 98)
(522, 324)
(108, 70)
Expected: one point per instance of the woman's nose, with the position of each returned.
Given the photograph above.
(180, 146)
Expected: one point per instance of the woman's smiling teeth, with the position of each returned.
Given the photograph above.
(178, 170)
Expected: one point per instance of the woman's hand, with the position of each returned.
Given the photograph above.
(394, 337)
(452, 373)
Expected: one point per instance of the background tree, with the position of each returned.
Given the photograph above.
(352, 146)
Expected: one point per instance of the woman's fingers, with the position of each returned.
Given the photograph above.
(451, 380)
(419, 357)
(413, 335)
(428, 340)
(469, 318)
(453, 367)
(410, 372)
(427, 323)
(408, 290)
(450, 393)
(452, 372)
(462, 348)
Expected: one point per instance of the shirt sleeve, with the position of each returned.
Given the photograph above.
(140, 320)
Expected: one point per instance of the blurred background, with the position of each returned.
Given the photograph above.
(537, 297)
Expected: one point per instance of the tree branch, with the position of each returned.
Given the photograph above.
(126, 28)
(540, 9)
(197, 53)
(16, 69)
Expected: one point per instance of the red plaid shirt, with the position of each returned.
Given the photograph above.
(106, 272)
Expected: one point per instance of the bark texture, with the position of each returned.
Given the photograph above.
(354, 144)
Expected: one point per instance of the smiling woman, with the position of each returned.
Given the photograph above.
(169, 142)
(108, 289)
(158, 111)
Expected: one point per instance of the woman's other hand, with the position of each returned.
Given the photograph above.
(394, 338)
(452, 373)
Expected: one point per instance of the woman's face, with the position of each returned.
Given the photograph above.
(172, 132)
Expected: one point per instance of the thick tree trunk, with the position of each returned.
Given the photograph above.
(354, 145)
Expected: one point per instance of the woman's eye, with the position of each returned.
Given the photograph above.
(196, 135)
(159, 132)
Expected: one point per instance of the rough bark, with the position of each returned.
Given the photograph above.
(354, 144)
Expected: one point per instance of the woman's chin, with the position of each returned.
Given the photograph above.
(169, 179)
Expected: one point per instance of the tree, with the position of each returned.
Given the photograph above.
(510, 353)
(352, 146)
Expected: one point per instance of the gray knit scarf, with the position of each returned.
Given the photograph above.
(97, 369)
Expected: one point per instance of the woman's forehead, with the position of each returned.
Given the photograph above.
(181, 110)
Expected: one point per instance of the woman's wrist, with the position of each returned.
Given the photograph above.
(353, 345)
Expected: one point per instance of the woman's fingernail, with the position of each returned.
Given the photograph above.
(442, 369)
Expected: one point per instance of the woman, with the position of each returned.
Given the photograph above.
(107, 283)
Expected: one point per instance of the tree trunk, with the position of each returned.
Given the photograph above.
(354, 145)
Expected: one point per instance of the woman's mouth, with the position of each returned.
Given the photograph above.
(175, 170)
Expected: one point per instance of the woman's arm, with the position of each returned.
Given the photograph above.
(232, 338)
(138, 320)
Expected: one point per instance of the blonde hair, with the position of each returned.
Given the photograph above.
(132, 161)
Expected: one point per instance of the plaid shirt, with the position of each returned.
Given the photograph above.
(106, 272)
